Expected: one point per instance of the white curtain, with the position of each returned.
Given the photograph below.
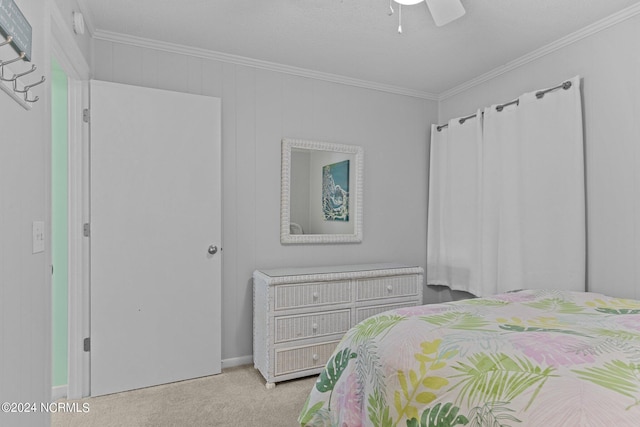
(454, 195)
(521, 187)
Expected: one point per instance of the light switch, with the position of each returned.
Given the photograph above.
(38, 237)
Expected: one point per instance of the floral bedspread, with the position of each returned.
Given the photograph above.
(535, 358)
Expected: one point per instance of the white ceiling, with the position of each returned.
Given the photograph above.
(357, 38)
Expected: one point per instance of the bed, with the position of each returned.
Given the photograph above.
(533, 357)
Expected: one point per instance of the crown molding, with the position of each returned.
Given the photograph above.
(574, 37)
(256, 63)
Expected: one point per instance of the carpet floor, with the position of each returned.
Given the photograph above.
(236, 397)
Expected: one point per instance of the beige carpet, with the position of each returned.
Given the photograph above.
(236, 397)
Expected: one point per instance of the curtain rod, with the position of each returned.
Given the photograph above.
(540, 94)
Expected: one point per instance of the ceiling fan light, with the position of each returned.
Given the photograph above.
(408, 2)
(444, 11)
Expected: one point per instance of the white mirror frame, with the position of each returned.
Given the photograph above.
(285, 193)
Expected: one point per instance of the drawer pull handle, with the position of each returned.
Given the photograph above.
(315, 295)
(390, 288)
(315, 357)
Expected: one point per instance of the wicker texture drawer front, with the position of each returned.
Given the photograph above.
(301, 313)
(311, 325)
(365, 312)
(387, 287)
(312, 294)
(302, 358)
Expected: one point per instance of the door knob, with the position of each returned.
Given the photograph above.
(213, 250)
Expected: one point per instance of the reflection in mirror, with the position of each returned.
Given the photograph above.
(319, 202)
(321, 198)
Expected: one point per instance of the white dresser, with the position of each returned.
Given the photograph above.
(300, 314)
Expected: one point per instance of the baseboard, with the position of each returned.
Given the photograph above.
(237, 361)
(58, 392)
(61, 391)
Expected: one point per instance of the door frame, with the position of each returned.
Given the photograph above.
(68, 55)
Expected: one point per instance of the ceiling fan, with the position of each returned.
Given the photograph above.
(442, 11)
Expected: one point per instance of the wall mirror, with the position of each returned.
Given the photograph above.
(321, 192)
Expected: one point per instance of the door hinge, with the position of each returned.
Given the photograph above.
(87, 344)
(86, 115)
(86, 229)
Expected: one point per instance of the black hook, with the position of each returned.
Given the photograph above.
(28, 87)
(3, 63)
(16, 76)
(9, 39)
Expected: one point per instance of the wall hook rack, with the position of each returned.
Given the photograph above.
(16, 31)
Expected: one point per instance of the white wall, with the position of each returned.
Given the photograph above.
(609, 63)
(25, 284)
(259, 108)
(299, 200)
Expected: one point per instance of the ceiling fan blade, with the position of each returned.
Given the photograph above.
(445, 11)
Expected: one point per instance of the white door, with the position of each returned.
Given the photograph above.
(155, 237)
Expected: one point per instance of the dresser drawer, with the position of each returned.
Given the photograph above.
(302, 326)
(311, 294)
(387, 287)
(366, 312)
(303, 358)
(301, 313)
